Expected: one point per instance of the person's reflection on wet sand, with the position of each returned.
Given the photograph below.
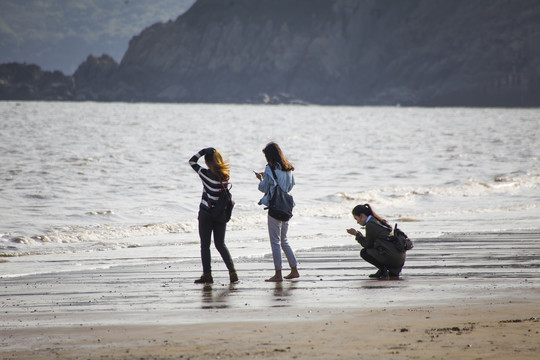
(283, 292)
(216, 299)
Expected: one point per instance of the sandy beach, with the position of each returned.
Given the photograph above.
(465, 296)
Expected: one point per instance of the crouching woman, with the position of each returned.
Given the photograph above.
(377, 249)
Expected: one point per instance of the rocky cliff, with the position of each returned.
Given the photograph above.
(357, 52)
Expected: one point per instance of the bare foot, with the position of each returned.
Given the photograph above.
(293, 275)
(275, 278)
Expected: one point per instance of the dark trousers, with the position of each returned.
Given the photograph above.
(206, 228)
(394, 269)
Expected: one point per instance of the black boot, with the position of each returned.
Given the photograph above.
(205, 279)
(232, 273)
(233, 276)
(384, 275)
(376, 275)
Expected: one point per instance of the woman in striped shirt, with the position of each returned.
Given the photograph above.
(214, 179)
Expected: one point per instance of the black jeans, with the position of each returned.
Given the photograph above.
(206, 228)
(379, 265)
(370, 259)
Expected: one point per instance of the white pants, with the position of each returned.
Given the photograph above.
(278, 240)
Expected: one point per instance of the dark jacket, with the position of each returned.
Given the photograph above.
(377, 244)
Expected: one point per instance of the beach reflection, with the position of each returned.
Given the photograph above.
(283, 293)
(217, 299)
(373, 284)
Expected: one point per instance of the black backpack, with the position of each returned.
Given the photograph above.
(401, 240)
(281, 203)
(222, 209)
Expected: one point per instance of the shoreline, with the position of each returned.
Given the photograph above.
(466, 296)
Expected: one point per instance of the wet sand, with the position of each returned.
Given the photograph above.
(468, 296)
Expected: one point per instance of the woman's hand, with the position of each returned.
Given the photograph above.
(352, 231)
(258, 175)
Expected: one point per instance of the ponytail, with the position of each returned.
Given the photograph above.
(367, 210)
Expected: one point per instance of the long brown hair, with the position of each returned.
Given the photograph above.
(275, 156)
(367, 210)
(217, 165)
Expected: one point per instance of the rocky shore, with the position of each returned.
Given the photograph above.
(341, 52)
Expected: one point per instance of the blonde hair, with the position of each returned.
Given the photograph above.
(218, 166)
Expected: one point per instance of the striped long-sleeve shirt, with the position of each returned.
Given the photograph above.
(211, 184)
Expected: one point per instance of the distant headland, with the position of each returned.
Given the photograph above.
(330, 52)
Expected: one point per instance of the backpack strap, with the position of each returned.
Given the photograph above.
(275, 176)
(223, 187)
(208, 200)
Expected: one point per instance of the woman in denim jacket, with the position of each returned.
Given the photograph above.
(277, 229)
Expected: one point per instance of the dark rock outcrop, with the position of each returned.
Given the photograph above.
(93, 79)
(29, 82)
(353, 52)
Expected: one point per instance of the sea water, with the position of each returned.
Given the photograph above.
(94, 185)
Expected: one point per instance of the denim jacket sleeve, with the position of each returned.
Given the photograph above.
(266, 186)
